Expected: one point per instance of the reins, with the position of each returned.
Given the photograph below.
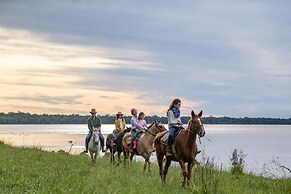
(150, 133)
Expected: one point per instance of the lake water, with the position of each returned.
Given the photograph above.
(262, 144)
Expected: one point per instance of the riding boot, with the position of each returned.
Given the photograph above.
(86, 145)
(169, 151)
(134, 144)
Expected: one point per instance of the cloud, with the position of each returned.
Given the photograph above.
(218, 57)
(56, 100)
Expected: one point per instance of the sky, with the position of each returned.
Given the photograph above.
(227, 58)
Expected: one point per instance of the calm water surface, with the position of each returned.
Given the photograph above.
(261, 143)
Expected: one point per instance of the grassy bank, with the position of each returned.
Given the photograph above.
(24, 170)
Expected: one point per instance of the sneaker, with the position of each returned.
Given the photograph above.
(103, 150)
(85, 151)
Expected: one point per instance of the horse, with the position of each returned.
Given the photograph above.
(94, 145)
(144, 144)
(117, 147)
(184, 148)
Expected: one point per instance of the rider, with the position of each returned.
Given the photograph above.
(94, 122)
(174, 123)
(136, 128)
(141, 120)
(119, 125)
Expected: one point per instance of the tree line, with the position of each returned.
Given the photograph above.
(27, 118)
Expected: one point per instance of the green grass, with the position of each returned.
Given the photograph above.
(31, 170)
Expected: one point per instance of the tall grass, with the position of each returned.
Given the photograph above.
(31, 170)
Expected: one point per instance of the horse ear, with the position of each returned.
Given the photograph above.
(192, 114)
(200, 114)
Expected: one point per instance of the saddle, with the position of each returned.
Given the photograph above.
(137, 138)
(164, 139)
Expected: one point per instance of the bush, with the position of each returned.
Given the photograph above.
(237, 162)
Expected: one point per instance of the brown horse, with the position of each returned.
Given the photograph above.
(185, 148)
(144, 144)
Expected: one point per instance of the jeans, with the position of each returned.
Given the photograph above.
(135, 135)
(172, 131)
(88, 137)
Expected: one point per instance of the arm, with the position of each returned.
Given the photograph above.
(137, 126)
(123, 124)
(117, 126)
(99, 121)
(144, 124)
(90, 126)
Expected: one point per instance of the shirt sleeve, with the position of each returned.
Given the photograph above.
(136, 125)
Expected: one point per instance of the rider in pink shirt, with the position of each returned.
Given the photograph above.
(141, 120)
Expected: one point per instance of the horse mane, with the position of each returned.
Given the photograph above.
(190, 123)
(151, 124)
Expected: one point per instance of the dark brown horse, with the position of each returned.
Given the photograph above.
(185, 148)
(117, 147)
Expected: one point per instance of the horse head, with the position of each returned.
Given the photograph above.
(157, 126)
(195, 124)
(95, 136)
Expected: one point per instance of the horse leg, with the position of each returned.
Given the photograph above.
(118, 155)
(145, 165)
(190, 166)
(124, 155)
(95, 157)
(168, 163)
(111, 158)
(160, 158)
(91, 155)
(185, 174)
(149, 166)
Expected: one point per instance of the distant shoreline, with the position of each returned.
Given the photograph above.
(27, 118)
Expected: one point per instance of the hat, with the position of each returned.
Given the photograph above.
(119, 113)
(93, 110)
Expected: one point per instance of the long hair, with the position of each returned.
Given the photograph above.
(176, 101)
(139, 115)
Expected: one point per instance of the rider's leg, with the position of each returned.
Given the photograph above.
(87, 139)
(134, 139)
(101, 138)
(131, 143)
(170, 141)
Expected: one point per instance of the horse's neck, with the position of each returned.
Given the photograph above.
(191, 138)
(149, 137)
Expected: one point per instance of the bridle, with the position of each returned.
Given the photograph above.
(160, 130)
(194, 127)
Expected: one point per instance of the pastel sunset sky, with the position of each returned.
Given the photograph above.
(227, 58)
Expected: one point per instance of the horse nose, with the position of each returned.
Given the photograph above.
(202, 133)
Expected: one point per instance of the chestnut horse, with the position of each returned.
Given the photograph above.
(185, 148)
(145, 143)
